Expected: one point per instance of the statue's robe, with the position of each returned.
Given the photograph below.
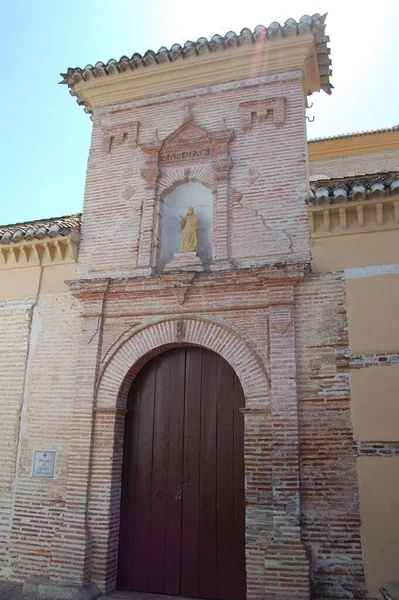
(189, 239)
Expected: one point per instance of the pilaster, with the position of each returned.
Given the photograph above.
(258, 495)
(222, 169)
(286, 563)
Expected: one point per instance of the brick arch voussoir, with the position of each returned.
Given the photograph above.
(141, 346)
(176, 176)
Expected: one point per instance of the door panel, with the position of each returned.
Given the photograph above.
(207, 488)
(182, 505)
(175, 473)
(160, 465)
(141, 518)
(225, 484)
(190, 573)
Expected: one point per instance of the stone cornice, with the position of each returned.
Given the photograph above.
(343, 218)
(61, 249)
(278, 276)
(88, 288)
(39, 229)
(235, 63)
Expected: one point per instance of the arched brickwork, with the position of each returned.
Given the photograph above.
(172, 177)
(132, 353)
(121, 366)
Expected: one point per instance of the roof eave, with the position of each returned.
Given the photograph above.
(292, 53)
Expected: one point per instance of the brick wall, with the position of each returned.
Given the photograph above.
(289, 348)
(265, 188)
(328, 481)
(241, 335)
(355, 165)
(15, 320)
(41, 417)
(330, 519)
(329, 489)
(294, 451)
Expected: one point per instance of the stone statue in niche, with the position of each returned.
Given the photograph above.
(190, 225)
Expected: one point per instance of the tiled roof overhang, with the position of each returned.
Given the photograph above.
(306, 25)
(359, 187)
(40, 229)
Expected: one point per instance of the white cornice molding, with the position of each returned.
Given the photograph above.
(229, 65)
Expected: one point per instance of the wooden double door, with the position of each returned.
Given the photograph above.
(182, 526)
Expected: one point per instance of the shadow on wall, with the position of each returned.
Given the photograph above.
(175, 204)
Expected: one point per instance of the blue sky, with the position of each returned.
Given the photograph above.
(46, 136)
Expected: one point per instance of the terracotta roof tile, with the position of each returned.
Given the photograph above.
(359, 187)
(314, 24)
(39, 229)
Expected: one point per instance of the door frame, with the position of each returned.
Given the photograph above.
(179, 366)
(269, 507)
(117, 376)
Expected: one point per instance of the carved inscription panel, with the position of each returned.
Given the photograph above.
(171, 157)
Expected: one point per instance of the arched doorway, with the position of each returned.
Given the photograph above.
(182, 528)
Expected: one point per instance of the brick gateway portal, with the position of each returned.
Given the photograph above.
(222, 132)
(182, 528)
(268, 448)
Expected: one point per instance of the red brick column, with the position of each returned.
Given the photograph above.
(104, 498)
(221, 214)
(258, 496)
(71, 546)
(286, 563)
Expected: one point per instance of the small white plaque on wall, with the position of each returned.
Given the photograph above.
(43, 464)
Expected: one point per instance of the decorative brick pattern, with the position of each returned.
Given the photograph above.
(260, 109)
(259, 191)
(275, 202)
(120, 134)
(118, 375)
(188, 154)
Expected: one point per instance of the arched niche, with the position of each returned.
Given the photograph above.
(174, 204)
